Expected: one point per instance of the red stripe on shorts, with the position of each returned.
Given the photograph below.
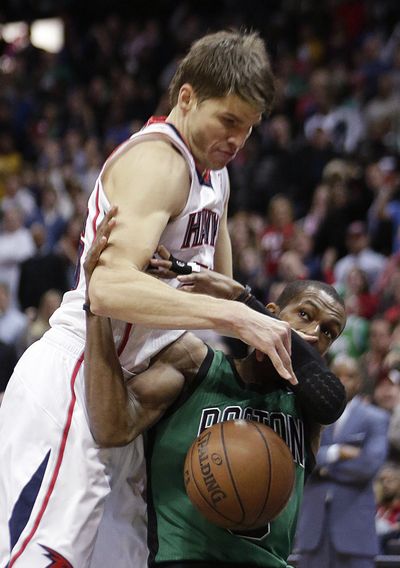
(57, 467)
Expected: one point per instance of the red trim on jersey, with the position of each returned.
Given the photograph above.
(57, 467)
(204, 176)
(125, 338)
(94, 222)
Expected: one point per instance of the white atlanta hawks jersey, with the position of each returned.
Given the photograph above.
(191, 236)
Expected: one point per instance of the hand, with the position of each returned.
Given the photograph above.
(211, 283)
(99, 244)
(161, 267)
(348, 452)
(203, 282)
(271, 337)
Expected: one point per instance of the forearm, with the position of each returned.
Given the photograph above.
(133, 296)
(320, 392)
(109, 406)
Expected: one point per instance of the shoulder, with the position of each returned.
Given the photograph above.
(155, 156)
(186, 354)
(152, 169)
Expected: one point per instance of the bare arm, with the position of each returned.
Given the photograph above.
(146, 201)
(223, 249)
(119, 412)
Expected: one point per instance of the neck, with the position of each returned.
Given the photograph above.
(176, 118)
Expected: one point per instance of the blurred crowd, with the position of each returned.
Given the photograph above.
(314, 194)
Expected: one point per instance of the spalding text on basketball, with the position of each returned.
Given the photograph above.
(213, 488)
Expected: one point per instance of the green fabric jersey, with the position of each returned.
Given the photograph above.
(177, 531)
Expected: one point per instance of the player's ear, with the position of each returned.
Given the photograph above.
(186, 97)
(274, 308)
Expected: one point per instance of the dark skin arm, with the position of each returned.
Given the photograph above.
(120, 411)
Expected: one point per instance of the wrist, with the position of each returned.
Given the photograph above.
(244, 294)
(86, 307)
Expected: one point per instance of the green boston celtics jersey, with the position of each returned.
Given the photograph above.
(177, 531)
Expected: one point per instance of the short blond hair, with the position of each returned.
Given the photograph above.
(226, 63)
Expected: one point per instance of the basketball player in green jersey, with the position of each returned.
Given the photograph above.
(189, 387)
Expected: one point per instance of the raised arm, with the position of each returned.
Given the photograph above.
(146, 201)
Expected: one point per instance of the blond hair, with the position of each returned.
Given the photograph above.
(227, 63)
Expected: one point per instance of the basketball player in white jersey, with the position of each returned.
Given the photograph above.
(59, 491)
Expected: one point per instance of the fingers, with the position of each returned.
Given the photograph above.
(284, 364)
(275, 343)
(186, 288)
(103, 233)
(163, 252)
(107, 223)
(158, 263)
(100, 241)
(308, 338)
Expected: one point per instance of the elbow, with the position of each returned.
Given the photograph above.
(113, 435)
(112, 439)
(99, 299)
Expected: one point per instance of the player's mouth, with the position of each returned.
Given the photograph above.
(225, 155)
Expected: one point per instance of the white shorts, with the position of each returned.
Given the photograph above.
(63, 500)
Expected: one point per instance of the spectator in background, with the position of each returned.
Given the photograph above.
(49, 302)
(357, 295)
(43, 270)
(359, 255)
(10, 157)
(386, 206)
(16, 245)
(310, 156)
(49, 215)
(383, 107)
(277, 233)
(354, 339)
(273, 171)
(330, 236)
(386, 394)
(373, 360)
(332, 531)
(390, 302)
(318, 210)
(387, 493)
(68, 248)
(13, 322)
(16, 195)
(378, 175)
(303, 244)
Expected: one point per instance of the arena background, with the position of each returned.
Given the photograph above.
(315, 193)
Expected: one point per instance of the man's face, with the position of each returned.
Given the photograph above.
(315, 313)
(349, 376)
(389, 479)
(218, 128)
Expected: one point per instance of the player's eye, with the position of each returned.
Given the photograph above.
(328, 333)
(229, 122)
(304, 315)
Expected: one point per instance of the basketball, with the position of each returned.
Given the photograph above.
(239, 474)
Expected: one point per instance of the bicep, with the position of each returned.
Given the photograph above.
(149, 184)
(156, 388)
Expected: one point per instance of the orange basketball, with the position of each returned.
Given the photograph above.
(239, 474)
